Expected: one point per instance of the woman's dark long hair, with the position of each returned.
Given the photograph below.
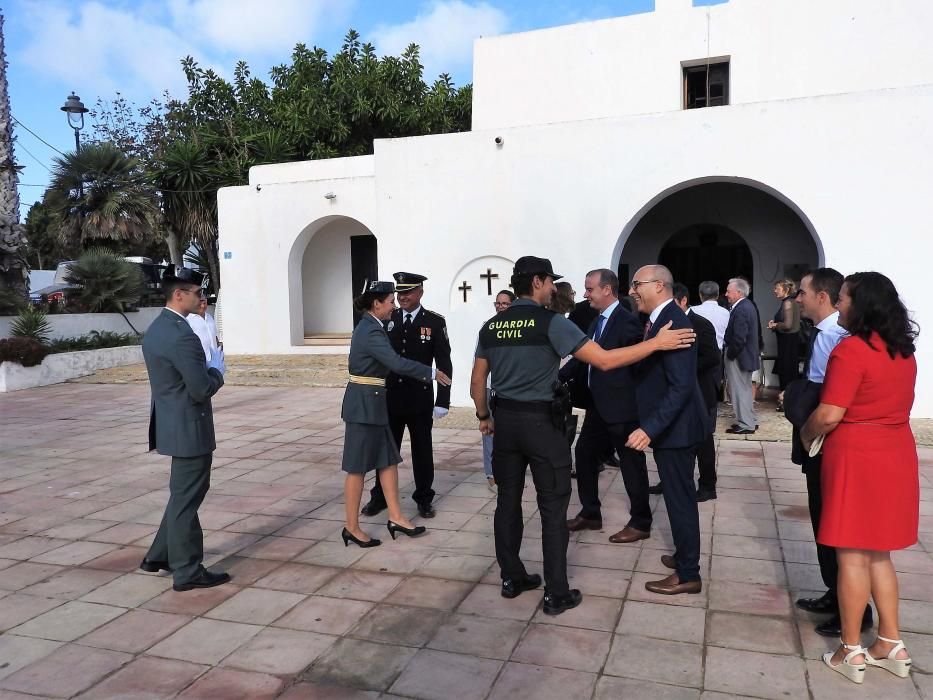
(877, 308)
(364, 302)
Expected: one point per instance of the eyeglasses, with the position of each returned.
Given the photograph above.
(637, 283)
(502, 303)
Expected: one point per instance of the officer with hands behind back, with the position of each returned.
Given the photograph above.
(420, 335)
(522, 347)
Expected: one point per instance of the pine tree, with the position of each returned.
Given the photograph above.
(14, 270)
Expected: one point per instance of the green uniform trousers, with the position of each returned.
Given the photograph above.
(180, 540)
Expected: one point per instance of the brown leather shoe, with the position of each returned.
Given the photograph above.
(668, 561)
(672, 586)
(629, 534)
(579, 523)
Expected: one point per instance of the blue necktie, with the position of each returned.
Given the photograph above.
(599, 328)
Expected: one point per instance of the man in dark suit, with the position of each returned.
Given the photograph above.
(742, 356)
(709, 370)
(612, 415)
(181, 424)
(420, 335)
(673, 421)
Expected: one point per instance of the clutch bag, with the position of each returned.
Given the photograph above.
(816, 446)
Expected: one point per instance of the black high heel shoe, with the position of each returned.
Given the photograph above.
(348, 537)
(394, 528)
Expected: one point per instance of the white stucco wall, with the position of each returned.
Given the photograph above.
(572, 192)
(74, 325)
(632, 65)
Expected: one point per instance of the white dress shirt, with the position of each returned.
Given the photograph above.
(653, 316)
(715, 314)
(201, 329)
(828, 338)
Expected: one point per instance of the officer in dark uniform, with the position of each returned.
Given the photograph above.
(420, 335)
(523, 347)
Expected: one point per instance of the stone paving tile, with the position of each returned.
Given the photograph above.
(196, 602)
(18, 652)
(223, 683)
(325, 615)
(657, 660)
(135, 631)
(612, 688)
(527, 682)
(69, 621)
(678, 623)
(398, 625)
(360, 664)
(129, 590)
(256, 606)
(439, 675)
(752, 632)
(16, 609)
(67, 671)
(753, 673)
(564, 647)
(205, 641)
(478, 636)
(146, 678)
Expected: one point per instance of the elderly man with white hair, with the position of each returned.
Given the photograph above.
(742, 357)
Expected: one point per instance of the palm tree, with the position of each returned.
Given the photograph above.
(99, 193)
(14, 270)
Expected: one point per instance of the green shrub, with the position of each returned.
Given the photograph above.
(94, 341)
(25, 351)
(31, 323)
(103, 282)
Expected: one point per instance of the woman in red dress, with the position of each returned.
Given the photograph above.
(870, 478)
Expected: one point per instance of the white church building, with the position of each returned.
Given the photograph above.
(754, 137)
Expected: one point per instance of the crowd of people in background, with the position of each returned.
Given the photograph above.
(649, 371)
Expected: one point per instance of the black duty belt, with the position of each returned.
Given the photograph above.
(523, 406)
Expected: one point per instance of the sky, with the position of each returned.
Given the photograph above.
(97, 48)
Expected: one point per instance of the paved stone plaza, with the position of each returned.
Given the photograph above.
(306, 617)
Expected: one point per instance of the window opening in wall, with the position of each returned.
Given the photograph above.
(706, 85)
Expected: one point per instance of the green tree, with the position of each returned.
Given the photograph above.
(103, 281)
(100, 193)
(14, 270)
(44, 247)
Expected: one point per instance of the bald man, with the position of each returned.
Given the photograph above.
(673, 421)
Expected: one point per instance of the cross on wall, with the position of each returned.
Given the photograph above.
(489, 276)
(464, 288)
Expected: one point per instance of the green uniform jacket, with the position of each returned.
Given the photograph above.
(182, 422)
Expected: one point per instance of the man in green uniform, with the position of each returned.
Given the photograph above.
(522, 347)
(181, 424)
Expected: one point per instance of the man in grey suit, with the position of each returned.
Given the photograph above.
(181, 425)
(742, 356)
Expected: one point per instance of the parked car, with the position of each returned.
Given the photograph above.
(152, 284)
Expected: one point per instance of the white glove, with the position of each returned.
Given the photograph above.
(440, 412)
(217, 361)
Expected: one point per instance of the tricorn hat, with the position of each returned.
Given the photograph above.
(406, 281)
(530, 265)
(179, 273)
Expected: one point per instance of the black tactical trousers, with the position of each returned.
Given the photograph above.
(523, 438)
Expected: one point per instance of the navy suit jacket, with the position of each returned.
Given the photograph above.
(670, 407)
(741, 339)
(612, 392)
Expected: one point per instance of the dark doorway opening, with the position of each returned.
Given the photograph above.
(707, 252)
(364, 266)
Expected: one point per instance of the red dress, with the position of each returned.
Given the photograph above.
(870, 475)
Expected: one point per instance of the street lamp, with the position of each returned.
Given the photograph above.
(75, 110)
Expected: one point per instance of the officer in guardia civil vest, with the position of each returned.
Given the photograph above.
(420, 335)
(522, 348)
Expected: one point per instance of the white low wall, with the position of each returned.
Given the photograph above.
(73, 325)
(62, 366)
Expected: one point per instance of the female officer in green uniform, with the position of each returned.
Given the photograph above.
(368, 442)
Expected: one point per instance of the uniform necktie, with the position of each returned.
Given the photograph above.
(406, 326)
(599, 327)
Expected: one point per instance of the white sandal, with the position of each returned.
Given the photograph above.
(854, 672)
(899, 667)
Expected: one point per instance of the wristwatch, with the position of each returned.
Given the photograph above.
(479, 417)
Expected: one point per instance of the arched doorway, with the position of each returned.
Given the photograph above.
(718, 228)
(328, 264)
(706, 252)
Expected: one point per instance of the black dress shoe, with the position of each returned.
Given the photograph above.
(373, 508)
(833, 626)
(706, 495)
(426, 510)
(556, 604)
(826, 603)
(512, 588)
(736, 425)
(740, 431)
(154, 566)
(203, 579)
(656, 489)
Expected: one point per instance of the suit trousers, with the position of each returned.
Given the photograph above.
(740, 391)
(675, 467)
(180, 540)
(706, 458)
(521, 439)
(596, 439)
(422, 454)
(825, 556)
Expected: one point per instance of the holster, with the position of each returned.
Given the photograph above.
(491, 403)
(560, 406)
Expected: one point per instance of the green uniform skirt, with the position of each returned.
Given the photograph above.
(367, 447)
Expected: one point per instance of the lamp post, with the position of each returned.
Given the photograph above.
(75, 110)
